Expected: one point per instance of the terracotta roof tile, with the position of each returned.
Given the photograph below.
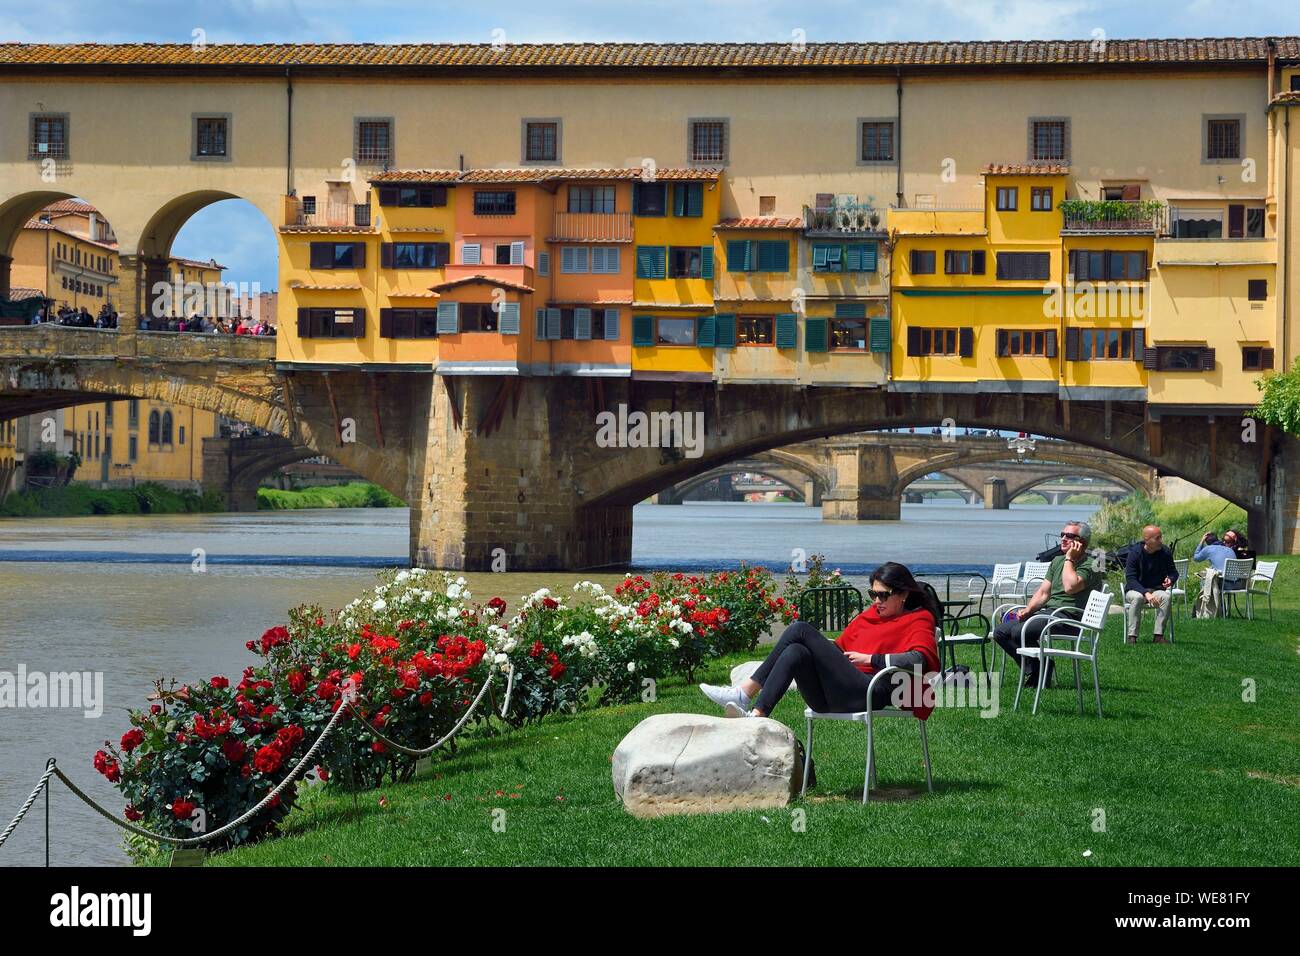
(477, 278)
(70, 205)
(1289, 98)
(18, 293)
(417, 176)
(327, 229)
(553, 174)
(1026, 169)
(324, 286)
(412, 294)
(37, 224)
(589, 57)
(761, 222)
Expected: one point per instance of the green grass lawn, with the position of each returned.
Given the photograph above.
(1186, 772)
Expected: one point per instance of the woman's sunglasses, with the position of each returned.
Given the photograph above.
(881, 595)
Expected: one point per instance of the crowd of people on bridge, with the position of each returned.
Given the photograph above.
(235, 325)
(77, 318)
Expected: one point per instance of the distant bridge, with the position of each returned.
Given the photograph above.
(867, 476)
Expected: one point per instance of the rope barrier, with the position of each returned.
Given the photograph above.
(52, 770)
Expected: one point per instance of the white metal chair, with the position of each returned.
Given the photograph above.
(1005, 583)
(866, 717)
(1237, 576)
(1263, 576)
(1035, 574)
(1179, 590)
(1067, 613)
(1082, 639)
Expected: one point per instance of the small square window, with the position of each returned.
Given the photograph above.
(1222, 138)
(49, 136)
(922, 262)
(211, 137)
(1008, 198)
(1257, 290)
(541, 140)
(374, 142)
(767, 205)
(1049, 139)
(1040, 198)
(708, 142)
(876, 141)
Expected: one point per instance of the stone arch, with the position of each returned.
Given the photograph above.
(1032, 484)
(235, 467)
(693, 484)
(775, 459)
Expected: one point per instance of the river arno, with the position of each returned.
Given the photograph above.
(119, 595)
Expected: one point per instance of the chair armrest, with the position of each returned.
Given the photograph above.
(871, 687)
(1051, 632)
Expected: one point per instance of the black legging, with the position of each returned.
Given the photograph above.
(827, 680)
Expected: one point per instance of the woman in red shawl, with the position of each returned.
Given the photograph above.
(897, 630)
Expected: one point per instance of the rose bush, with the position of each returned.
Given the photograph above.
(413, 653)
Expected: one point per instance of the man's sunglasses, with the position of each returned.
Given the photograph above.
(880, 595)
(1070, 536)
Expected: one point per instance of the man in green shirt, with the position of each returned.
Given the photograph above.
(1068, 582)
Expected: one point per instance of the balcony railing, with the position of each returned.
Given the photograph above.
(845, 219)
(592, 227)
(1142, 216)
(335, 215)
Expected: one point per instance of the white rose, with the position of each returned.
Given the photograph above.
(379, 605)
(501, 658)
(402, 577)
(674, 643)
(631, 667)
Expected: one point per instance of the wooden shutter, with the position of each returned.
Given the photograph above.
(470, 254)
(879, 334)
(611, 325)
(853, 257)
(679, 199)
(438, 196)
(695, 199)
(1265, 358)
(1207, 359)
(1004, 343)
(516, 253)
(773, 256)
(870, 257)
(949, 261)
(977, 262)
(1072, 345)
(1151, 358)
(543, 263)
(1139, 344)
(582, 323)
(738, 255)
(816, 335)
(1236, 221)
(358, 255)
(706, 331)
(358, 323)
(509, 318)
(850, 310)
(322, 255)
(385, 323)
(643, 330)
(819, 256)
(388, 195)
(706, 262)
(651, 262)
(566, 258)
(541, 325)
(786, 330)
(1051, 343)
(448, 318)
(386, 255)
(304, 323)
(553, 324)
(725, 330)
(1130, 192)
(913, 340)
(966, 341)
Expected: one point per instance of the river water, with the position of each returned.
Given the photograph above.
(120, 596)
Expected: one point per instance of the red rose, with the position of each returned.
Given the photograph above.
(426, 699)
(322, 773)
(267, 760)
(550, 603)
(320, 621)
(132, 739)
(497, 605)
(219, 683)
(268, 711)
(327, 690)
(132, 813)
(536, 649)
(297, 683)
(353, 651)
(183, 809)
(288, 738)
(378, 747)
(234, 750)
(556, 670)
(274, 637)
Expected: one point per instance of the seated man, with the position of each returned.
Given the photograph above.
(1149, 573)
(1217, 553)
(1067, 583)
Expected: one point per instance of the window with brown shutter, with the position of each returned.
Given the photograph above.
(331, 323)
(1255, 358)
(877, 141)
(921, 262)
(1014, 342)
(922, 341)
(1023, 265)
(966, 339)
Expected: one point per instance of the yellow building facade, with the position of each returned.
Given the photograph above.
(137, 440)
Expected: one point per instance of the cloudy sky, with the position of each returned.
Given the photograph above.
(241, 239)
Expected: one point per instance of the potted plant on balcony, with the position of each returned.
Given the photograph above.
(875, 219)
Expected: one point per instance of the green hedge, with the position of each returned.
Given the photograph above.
(357, 494)
(1118, 523)
(75, 500)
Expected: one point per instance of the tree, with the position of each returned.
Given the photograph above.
(1280, 404)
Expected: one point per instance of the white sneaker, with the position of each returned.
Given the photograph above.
(722, 696)
(735, 710)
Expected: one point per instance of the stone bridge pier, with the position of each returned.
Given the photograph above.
(235, 467)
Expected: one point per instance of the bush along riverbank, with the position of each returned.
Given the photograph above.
(1119, 522)
(415, 653)
(357, 494)
(73, 501)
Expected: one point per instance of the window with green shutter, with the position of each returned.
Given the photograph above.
(706, 262)
(651, 262)
(773, 255)
(611, 325)
(787, 326)
(738, 252)
(724, 335)
(860, 257)
(815, 335)
(643, 330)
(509, 318)
(850, 310)
(879, 335)
(688, 199)
(706, 331)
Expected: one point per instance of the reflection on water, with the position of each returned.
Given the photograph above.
(71, 598)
